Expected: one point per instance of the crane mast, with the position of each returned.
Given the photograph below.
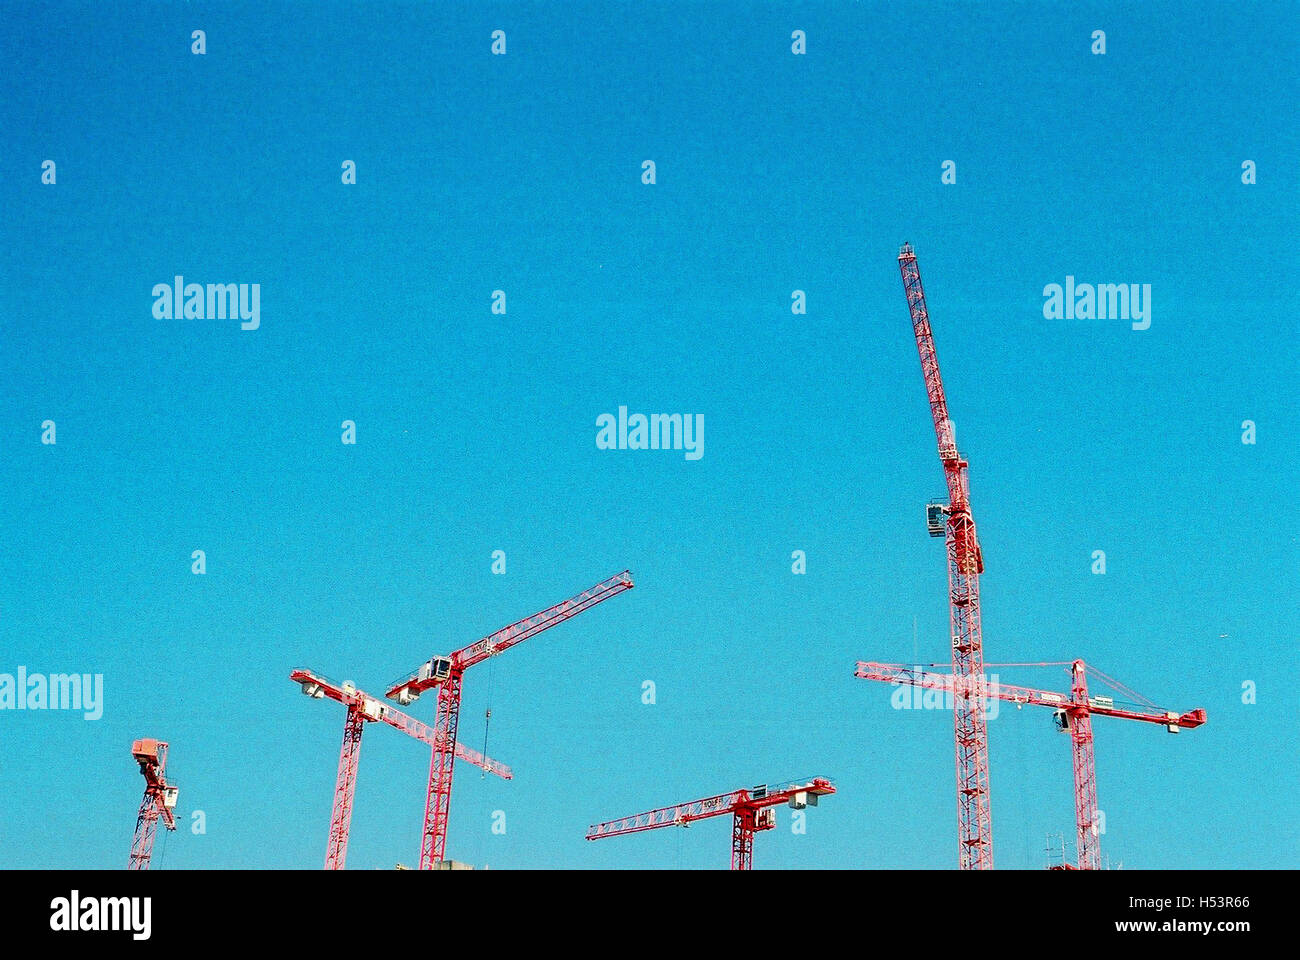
(447, 674)
(362, 709)
(1073, 714)
(1085, 772)
(965, 564)
(159, 801)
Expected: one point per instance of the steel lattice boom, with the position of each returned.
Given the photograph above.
(1074, 713)
(965, 564)
(363, 709)
(447, 674)
(159, 801)
(751, 811)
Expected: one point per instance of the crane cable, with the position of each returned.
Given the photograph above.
(487, 716)
(163, 853)
(1120, 688)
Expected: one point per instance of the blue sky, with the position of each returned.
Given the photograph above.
(475, 432)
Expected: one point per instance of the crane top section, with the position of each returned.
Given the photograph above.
(152, 757)
(920, 314)
(437, 669)
(373, 709)
(148, 751)
(1072, 703)
(316, 686)
(797, 795)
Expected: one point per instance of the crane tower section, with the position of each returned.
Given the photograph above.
(965, 564)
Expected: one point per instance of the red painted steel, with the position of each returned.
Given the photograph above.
(746, 808)
(1077, 708)
(336, 850)
(362, 709)
(152, 757)
(965, 564)
(447, 674)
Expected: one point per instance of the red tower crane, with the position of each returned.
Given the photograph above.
(447, 673)
(965, 564)
(159, 800)
(751, 810)
(1073, 713)
(363, 709)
